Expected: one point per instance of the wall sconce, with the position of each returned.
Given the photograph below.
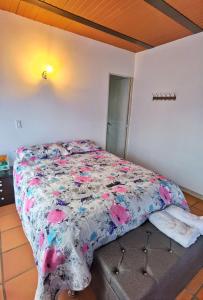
(48, 69)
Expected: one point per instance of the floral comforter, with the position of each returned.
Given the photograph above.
(72, 205)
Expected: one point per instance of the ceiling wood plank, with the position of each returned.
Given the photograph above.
(87, 22)
(9, 5)
(134, 18)
(175, 15)
(27, 10)
(192, 9)
(38, 14)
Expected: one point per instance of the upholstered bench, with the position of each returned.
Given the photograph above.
(144, 264)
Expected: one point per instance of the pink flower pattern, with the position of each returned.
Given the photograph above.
(18, 178)
(33, 158)
(83, 179)
(125, 169)
(20, 149)
(61, 162)
(41, 239)
(29, 204)
(85, 169)
(34, 182)
(165, 194)
(85, 248)
(119, 214)
(120, 189)
(105, 196)
(24, 163)
(52, 259)
(56, 193)
(56, 216)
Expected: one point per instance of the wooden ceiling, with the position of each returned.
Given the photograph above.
(133, 18)
(191, 9)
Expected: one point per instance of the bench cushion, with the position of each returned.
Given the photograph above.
(144, 264)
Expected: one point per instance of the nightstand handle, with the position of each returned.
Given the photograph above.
(2, 198)
(1, 191)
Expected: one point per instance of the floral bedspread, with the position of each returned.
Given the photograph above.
(72, 205)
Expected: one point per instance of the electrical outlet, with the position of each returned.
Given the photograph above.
(19, 124)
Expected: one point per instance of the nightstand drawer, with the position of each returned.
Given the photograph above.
(6, 184)
(7, 193)
(6, 190)
(6, 200)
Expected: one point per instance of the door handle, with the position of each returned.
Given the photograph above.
(108, 123)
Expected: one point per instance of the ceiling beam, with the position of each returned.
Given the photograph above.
(174, 14)
(84, 21)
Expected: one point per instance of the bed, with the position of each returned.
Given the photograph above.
(73, 198)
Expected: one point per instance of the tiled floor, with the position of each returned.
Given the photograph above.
(18, 275)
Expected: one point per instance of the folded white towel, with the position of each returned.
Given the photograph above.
(182, 233)
(186, 217)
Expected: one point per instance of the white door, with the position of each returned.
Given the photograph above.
(118, 114)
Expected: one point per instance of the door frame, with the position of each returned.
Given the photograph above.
(129, 108)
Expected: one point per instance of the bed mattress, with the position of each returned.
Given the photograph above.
(72, 205)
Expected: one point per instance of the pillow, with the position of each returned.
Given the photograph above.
(40, 151)
(80, 146)
(56, 150)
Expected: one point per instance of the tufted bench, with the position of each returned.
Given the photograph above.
(144, 264)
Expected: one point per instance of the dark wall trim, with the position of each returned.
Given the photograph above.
(84, 21)
(174, 14)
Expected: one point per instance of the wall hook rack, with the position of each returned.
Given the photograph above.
(164, 96)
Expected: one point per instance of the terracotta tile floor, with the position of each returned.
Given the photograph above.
(18, 275)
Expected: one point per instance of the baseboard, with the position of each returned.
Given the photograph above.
(199, 196)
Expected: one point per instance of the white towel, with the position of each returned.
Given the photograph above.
(180, 232)
(186, 217)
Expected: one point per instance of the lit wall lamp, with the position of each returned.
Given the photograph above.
(48, 69)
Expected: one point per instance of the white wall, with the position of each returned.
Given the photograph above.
(164, 136)
(168, 136)
(73, 102)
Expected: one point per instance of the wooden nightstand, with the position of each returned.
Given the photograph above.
(6, 187)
